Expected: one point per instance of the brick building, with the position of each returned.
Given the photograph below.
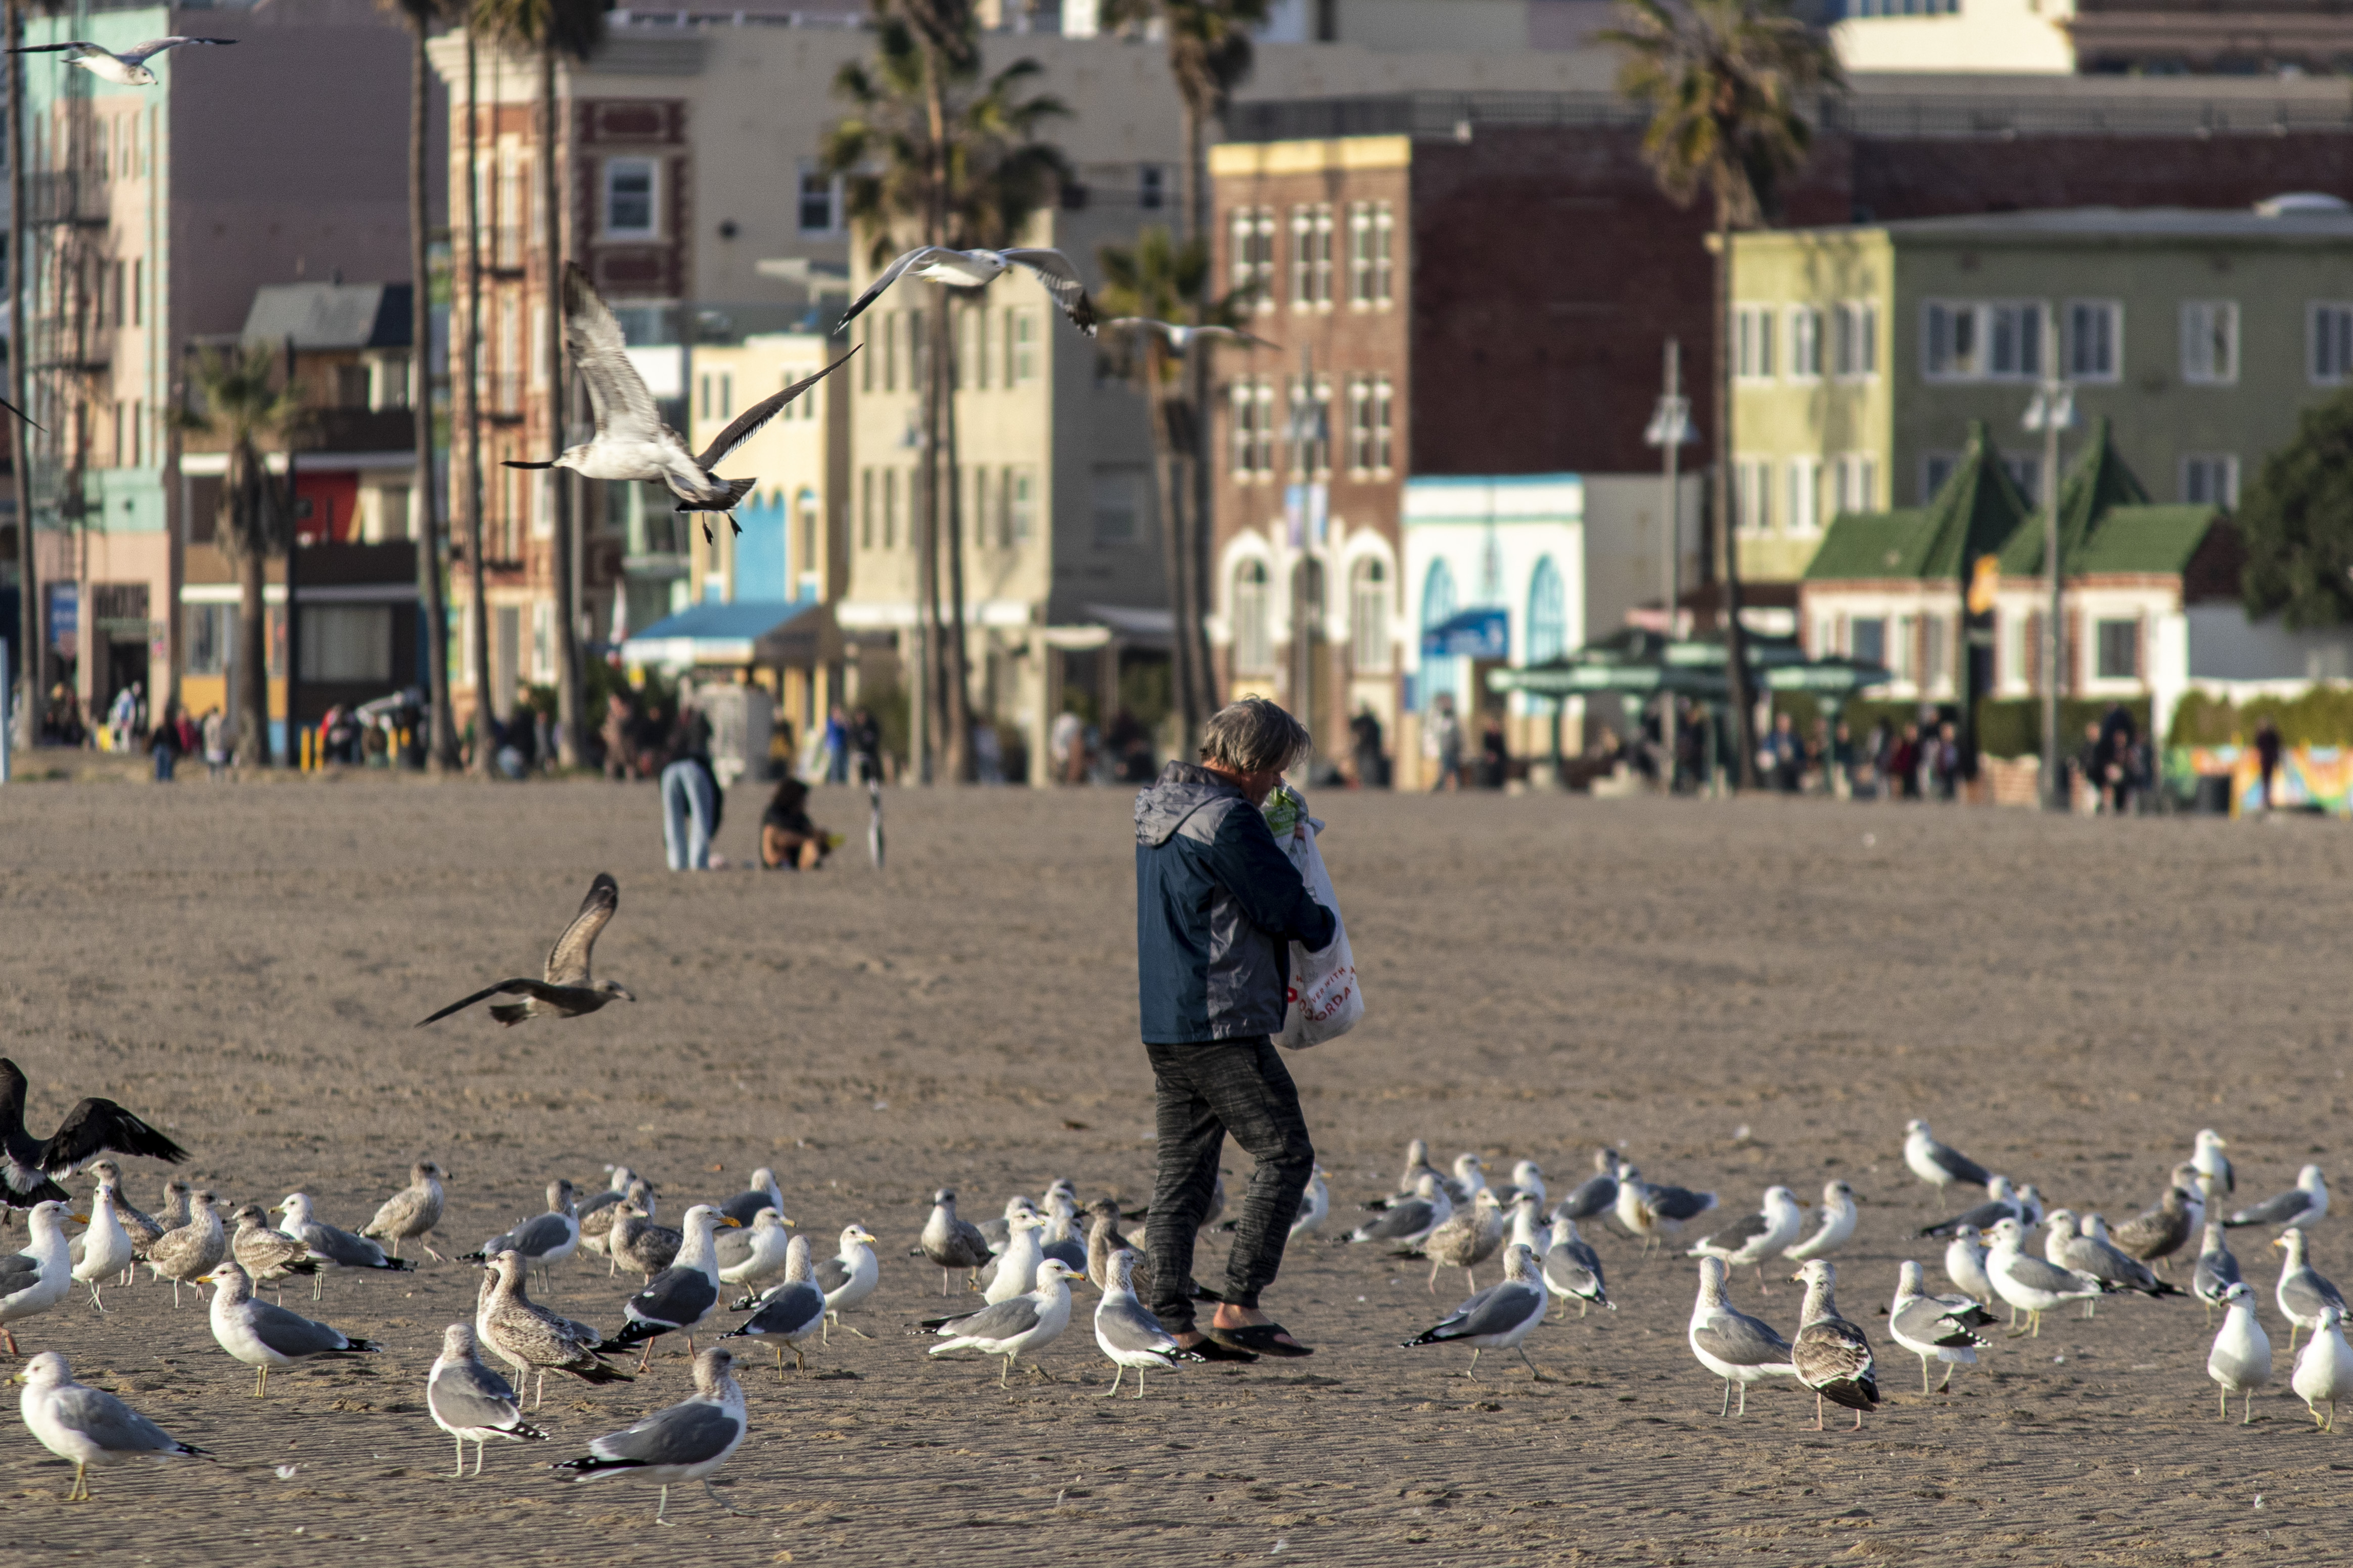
(1481, 284)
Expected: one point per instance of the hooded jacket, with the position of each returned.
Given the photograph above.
(1217, 905)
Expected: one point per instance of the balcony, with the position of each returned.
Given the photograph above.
(360, 430)
(66, 197)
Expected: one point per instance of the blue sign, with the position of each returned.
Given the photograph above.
(1472, 634)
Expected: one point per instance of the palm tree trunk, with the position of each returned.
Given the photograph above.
(1192, 217)
(28, 601)
(244, 497)
(478, 637)
(1735, 640)
(936, 196)
(956, 712)
(560, 560)
(1175, 539)
(1200, 527)
(442, 751)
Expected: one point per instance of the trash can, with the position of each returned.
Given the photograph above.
(2212, 796)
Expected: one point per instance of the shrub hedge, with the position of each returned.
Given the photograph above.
(2321, 717)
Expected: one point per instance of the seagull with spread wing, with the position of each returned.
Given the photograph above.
(978, 268)
(128, 68)
(632, 443)
(1180, 335)
(29, 1167)
(567, 992)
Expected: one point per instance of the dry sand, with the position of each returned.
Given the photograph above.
(2068, 1001)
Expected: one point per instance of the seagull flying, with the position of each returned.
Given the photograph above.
(631, 442)
(128, 68)
(566, 991)
(978, 268)
(1180, 336)
(29, 1167)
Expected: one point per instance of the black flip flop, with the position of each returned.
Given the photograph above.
(1258, 1339)
(1210, 1349)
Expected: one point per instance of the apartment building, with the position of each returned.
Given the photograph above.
(155, 214)
(2139, 38)
(1863, 355)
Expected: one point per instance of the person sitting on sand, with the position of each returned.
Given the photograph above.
(788, 839)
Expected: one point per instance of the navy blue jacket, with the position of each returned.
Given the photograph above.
(1217, 905)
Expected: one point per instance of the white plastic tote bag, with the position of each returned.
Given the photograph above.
(1325, 1000)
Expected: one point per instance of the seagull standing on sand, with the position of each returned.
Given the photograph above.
(1314, 1204)
(1597, 1193)
(2209, 1160)
(789, 1313)
(1934, 1328)
(595, 1215)
(470, 1402)
(1654, 1212)
(531, 1339)
(30, 1166)
(686, 1442)
(2157, 1233)
(1938, 1164)
(1127, 1331)
(85, 1427)
(2241, 1360)
(632, 443)
(1733, 1345)
(565, 989)
(1016, 1328)
(1965, 1266)
(38, 1277)
(977, 268)
(2033, 1285)
(1016, 1272)
(2001, 1203)
(144, 1230)
(952, 1243)
(2305, 1203)
(184, 1255)
(849, 1277)
(544, 1240)
(1573, 1268)
(1755, 1237)
(1838, 1216)
(681, 1297)
(1407, 1222)
(263, 1336)
(1498, 1318)
(2080, 1245)
(1468, 1238)
(411, 1214)
(2324, 1373)
(104, 1250)
(2303, 1293)
(1831, 1355)
(128, 68)
(1417, 1164)
(752, 1258)
(764, 1193)
(2217, 1269)
(338, 1249)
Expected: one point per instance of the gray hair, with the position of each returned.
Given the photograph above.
(1254, 736)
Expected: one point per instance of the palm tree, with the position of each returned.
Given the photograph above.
(470, 409)
(441, 749)
(1723, 80)
(29, 607)
(572, 29)
(934, 156)
(237, 397)
(1164, 280)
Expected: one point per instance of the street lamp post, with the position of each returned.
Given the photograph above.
(2051, 411)
(1671, 430)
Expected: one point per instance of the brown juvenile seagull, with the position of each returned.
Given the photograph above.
(567, 992)
(29, 1167)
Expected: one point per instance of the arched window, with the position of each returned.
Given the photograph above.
(1439, 675)
(1547, 614)
(1368, 614)
(1253, 650)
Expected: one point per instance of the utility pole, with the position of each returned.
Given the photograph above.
(2051, 411)
(1671, 431)
(28, 605)
(1311, 433)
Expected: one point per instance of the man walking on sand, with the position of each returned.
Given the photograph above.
(1217, 905)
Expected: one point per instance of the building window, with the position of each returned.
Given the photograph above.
(211, 631)
(1152, 187)
(890, 507)
(866, 509)
(1020, 347)
(1250, 261)
(1020, 502)
(1805, 513)
(1936, 467)
(1369, 406)
(820, 201)
(1854, 483)
(346, 642)
(1932, 652)
(1854, 338)
(1547, 614)
(2026, 473)
(1752, 339)
(1752, 495)
(1253, 432)
(2096, 339)
(1866, 638)
(1368, 616)
(1311, 257)
(1253, 647)
(1981, 341)
(2210, 342)
(1805, 344)
(2210, 479)
(630, 198)
(1371, 227)
(2120, 649)
(1118, 500)
(1310, 432)
(2332, 343)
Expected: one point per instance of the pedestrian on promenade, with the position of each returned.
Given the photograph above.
(2267, 756)
(1217, 905)
(163, 745)
(1443, 743)
(836, 745)
(691, 796)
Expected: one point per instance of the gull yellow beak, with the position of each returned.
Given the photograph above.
(80, 1218)
(788, 1225)
(2279, 1241)
(731, 1224)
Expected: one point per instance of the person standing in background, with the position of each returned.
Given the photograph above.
(837, 746)
(1443, 743)
(691, 800)
(2267, 756)
(1372, 764)
(165, 746)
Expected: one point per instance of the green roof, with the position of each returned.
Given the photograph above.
(2106, 524)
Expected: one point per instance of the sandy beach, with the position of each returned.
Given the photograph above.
(2068, 1001)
